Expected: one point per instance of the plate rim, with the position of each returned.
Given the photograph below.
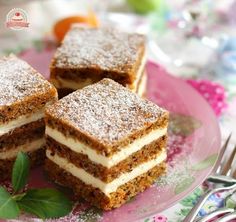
(188, 191)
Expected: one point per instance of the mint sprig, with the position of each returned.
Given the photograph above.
(20, 171)
(44, 203)
(8, 206)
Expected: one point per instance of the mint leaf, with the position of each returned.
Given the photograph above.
(20, 171)
(45, 203)
(18, 196)
(8, 206)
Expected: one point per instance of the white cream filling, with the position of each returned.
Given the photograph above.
(108, 162)
(60, 82)
(142, 86)
(22, 120)
(27, 147)
(71, 84)
(106, 188)
(139, 73)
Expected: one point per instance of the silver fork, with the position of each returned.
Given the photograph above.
(220, 168)
(227, 217)
(229, 213)
(215, 214)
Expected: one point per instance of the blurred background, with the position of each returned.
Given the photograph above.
(175, 29)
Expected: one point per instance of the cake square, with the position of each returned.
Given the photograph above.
(106, 143)
(88, 55)
(24, 93)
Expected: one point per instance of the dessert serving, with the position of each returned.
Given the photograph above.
(24, 93)
(106, 143)
(88, 55)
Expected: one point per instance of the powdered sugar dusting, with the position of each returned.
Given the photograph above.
(179, 168)
(106, 111)
(19, 80)
(104, 48)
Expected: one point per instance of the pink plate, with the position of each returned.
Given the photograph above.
(193, 146)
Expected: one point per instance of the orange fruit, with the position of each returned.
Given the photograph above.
(92, 19)
(62, 26)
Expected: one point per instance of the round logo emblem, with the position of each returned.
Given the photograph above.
(17, 19)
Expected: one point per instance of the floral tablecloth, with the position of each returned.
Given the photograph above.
(43, 14)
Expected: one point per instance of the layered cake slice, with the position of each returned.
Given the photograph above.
(106, 143)
(88, 55)
(24, 93)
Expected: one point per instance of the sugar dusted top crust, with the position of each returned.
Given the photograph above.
(104, 48)
(106, 111)
(19, 80)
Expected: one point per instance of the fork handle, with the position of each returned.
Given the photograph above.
(227, 217)
(216, 213)
(195, 210)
